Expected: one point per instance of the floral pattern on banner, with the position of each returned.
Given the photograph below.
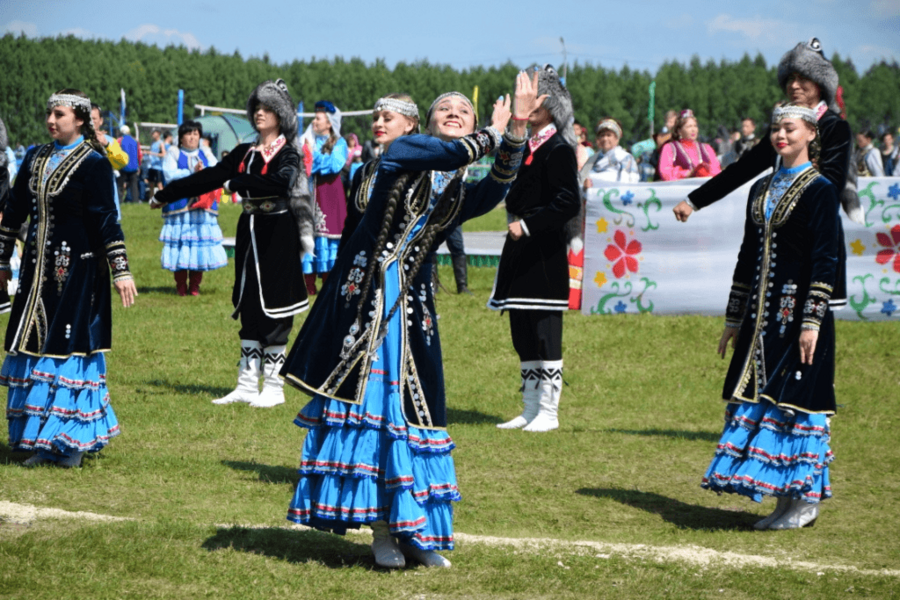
(629, 210)
(879, 286)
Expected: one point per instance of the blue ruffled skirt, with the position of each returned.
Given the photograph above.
(325, 255)
(193, 242)
(765, 451)
(363, 462)
(58, 405)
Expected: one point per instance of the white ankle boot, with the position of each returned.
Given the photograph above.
(387, 552)
(799, 514)
(428, 558)
(272, 393)
(531, 393)
(551, 389)
(247, 388)
(71, 461)
(782, 505)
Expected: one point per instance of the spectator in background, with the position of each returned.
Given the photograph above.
(889, 154)
(354, 159)
(129, 174)
(611, 162)
(686, 156)
(154, 172)
(748, 137)
(206, 146)
(117, 157)
(584, 150)
(323, 141)
(868, 161)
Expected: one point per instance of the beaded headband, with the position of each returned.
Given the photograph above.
(407, 109)
(611, 125)
(794, 112)
(70, 100)
(686, 113)
(447, 95)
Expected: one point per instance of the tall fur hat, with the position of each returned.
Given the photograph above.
(558, 102)
(4, 142)
(275, 95)
(809, 60)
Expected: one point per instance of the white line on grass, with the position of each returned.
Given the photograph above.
(692, 555)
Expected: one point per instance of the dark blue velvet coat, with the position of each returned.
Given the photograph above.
(786, 273)
(63, 303)
(333, 353)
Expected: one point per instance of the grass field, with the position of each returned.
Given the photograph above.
(611, 500)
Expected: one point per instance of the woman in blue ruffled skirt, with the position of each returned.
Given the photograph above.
(60, 326)
(191, 232)
(780, 384)
(377, 450)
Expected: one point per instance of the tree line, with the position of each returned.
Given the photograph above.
(720, 93)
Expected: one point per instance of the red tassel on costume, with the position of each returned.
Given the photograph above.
(265, 168)
(528, 160)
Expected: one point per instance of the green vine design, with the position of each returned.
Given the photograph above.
(601, 305)
(607, 202)
(888, 291)
(639, 299)
(873, 202)
(859, 306)
(651, 201)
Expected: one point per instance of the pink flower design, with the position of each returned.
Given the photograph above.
(623, 254)
(892, 245)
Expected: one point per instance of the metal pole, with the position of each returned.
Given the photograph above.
(180, 118)
(565, 63)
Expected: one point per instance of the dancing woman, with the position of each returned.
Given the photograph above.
(273, 230)
(377, 450)
(191, 234)
(61, 321)
(780, 384)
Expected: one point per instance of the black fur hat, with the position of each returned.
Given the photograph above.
(275, 95)
(809, 60)
(558, 102)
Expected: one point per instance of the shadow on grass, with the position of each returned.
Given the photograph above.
(10, 456)
(192, 389)
(705, 436)
(293, 546)
(681, 514)
(168, 289)
(470, 417)
(266, 473)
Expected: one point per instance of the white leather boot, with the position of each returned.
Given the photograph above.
(551, 389)
(387, 553)
(799, 514)
(272, 393)
(782, 505)
(531, 393)
(429, 558)
(248, 375)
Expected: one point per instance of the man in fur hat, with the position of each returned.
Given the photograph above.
(808, 79)
(533, 278)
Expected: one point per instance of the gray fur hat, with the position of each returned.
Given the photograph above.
(275, 95)
(558, 102)
(4, 142)
(809, 60)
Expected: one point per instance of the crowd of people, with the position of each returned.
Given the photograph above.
(319, 208)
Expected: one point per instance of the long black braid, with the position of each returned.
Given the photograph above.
(436, 222)
(390, 210)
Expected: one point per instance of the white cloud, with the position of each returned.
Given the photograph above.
(17, 27)
(885, 8)
(152, 34)
(756, 28)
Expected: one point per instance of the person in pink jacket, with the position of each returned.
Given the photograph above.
(685, 156)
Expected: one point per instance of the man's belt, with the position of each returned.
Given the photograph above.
(266, 206)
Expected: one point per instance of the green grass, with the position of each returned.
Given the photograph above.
(639, 423)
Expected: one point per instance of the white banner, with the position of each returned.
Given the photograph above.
(638, 258)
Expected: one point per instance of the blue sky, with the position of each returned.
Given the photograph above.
(465, 34)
